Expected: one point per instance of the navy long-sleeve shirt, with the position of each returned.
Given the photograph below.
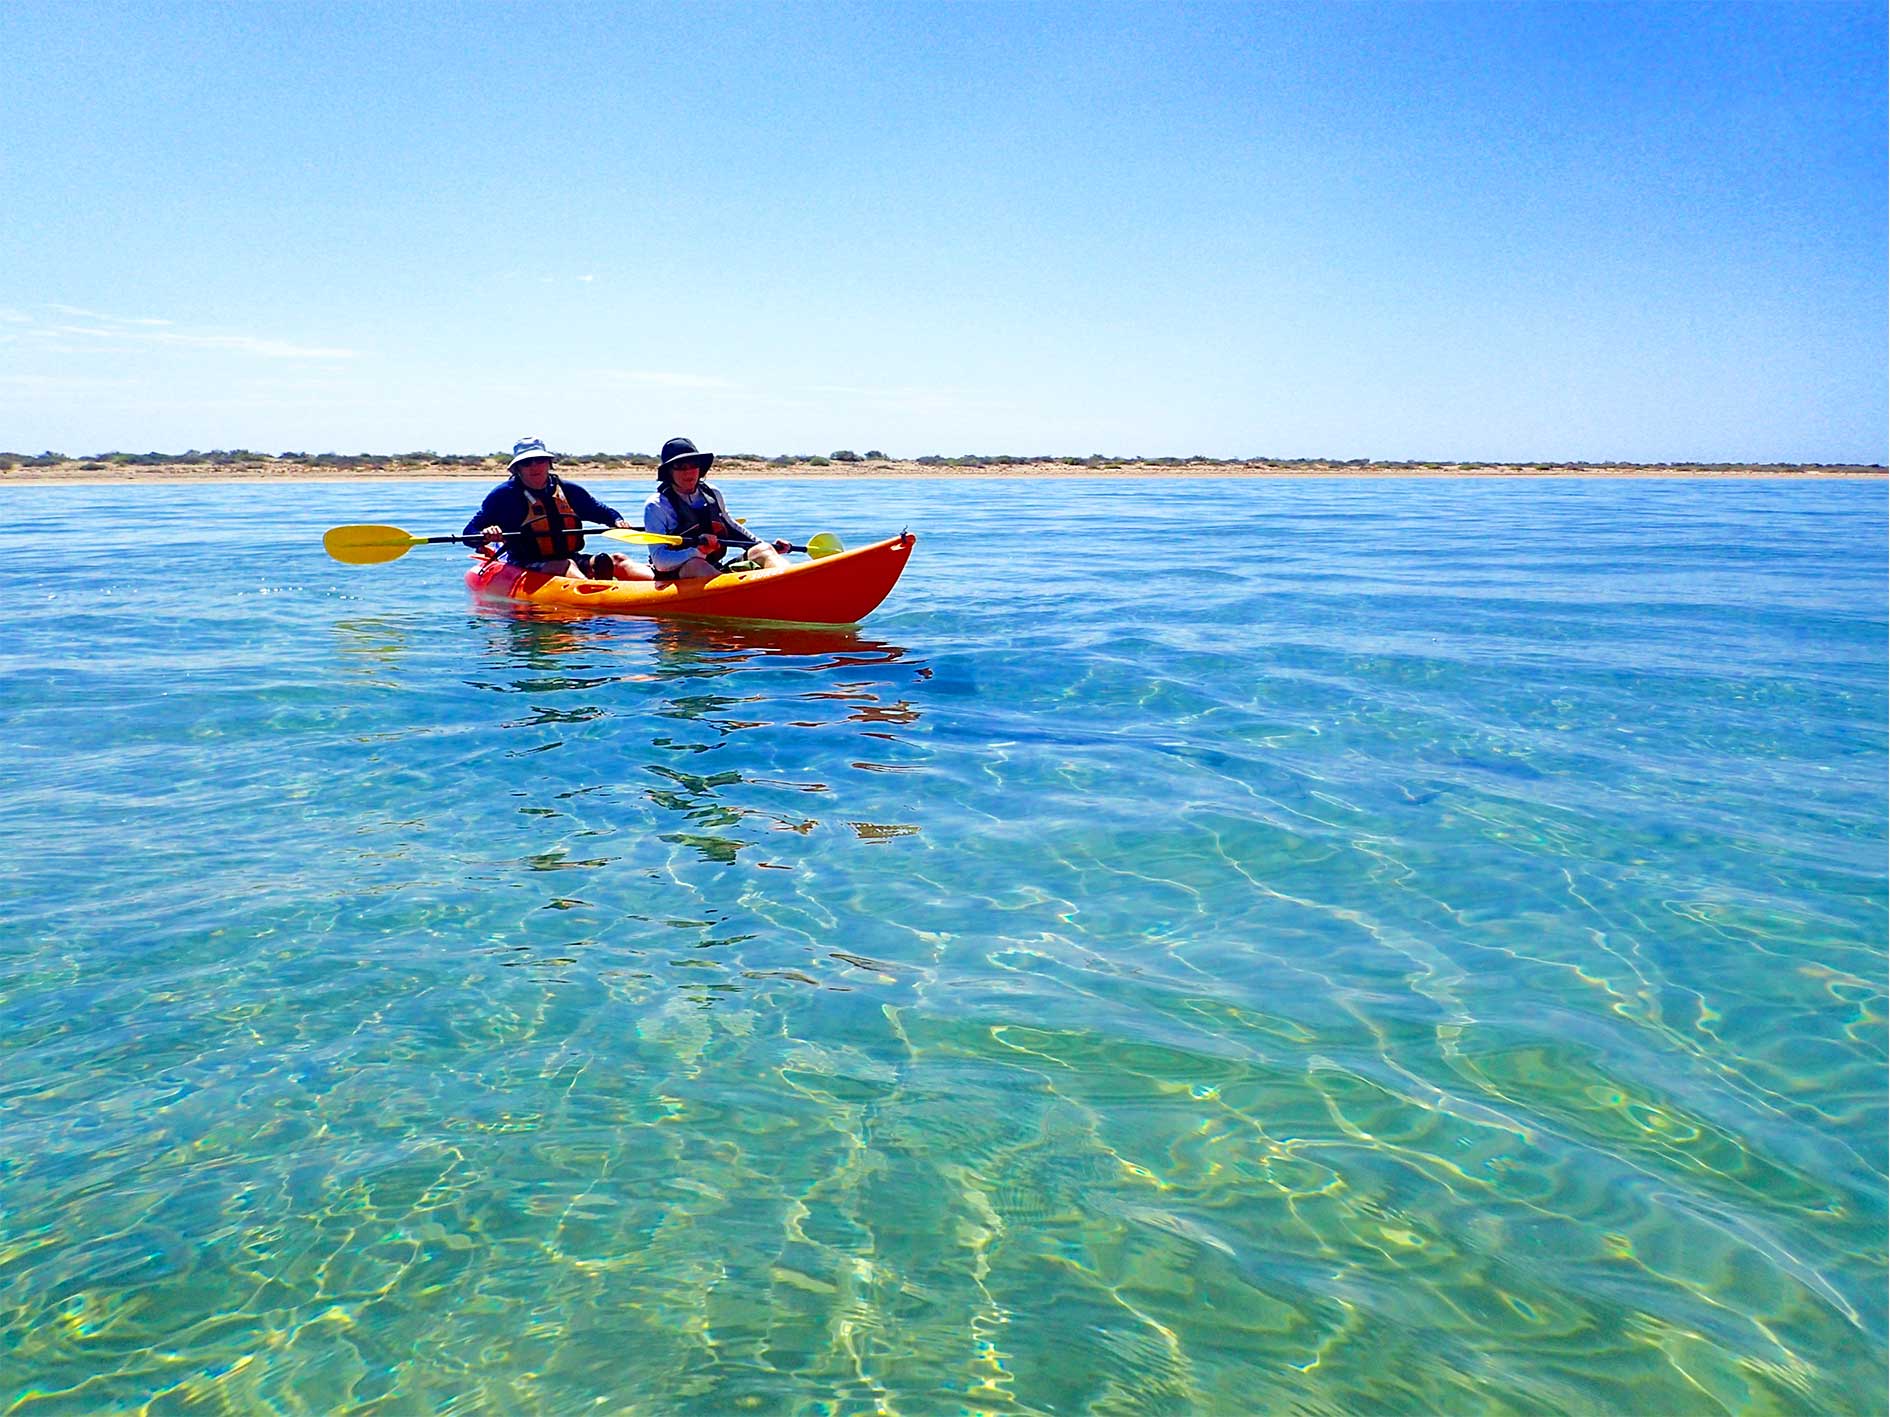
(505, 508)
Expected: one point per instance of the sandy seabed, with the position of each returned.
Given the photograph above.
(75, 472)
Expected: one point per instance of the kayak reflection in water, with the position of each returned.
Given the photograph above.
(534, 514)
(687, 643)
(686, 506)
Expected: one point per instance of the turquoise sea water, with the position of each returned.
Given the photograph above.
(1331, 947)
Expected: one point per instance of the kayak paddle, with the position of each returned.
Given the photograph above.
(819, 546)
(370, 545)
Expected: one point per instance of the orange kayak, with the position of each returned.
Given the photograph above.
(835, 590)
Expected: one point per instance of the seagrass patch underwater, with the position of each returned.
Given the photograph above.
(1200, 947)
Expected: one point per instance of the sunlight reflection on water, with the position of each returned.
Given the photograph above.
(1434, 963)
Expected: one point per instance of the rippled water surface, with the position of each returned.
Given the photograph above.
(1202, 947)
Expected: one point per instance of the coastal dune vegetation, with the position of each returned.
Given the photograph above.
(241, 463)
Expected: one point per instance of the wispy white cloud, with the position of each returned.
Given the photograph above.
(177, 339)
(83, 314)
(911, 398)
(549, 277)
(57, 384)
(661, 379)
(125, 394)
(881, 392)
(85, 331)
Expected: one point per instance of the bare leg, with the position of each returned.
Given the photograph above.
(622, 568)
(765, 556)
(600, 567)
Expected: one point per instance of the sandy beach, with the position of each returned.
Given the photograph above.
(377, 469)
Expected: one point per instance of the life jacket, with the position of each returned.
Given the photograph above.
(549, 532)
(712, 520)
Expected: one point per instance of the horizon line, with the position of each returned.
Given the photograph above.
(215, 457)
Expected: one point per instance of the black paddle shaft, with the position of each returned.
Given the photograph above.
(474, 538)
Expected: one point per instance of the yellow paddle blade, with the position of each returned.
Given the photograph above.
(643, 538)
(368, 545)
(823, 544)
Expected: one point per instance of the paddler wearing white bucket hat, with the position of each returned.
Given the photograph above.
(535, 515)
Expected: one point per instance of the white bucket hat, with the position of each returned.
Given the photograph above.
(528, 450)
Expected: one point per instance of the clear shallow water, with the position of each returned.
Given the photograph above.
(1426, 953)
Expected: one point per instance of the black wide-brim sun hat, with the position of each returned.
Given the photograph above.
(681, 450)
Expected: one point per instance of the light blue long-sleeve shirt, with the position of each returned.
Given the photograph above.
(660, 517)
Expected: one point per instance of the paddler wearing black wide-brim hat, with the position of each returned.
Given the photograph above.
(686, 506)
(534, 515)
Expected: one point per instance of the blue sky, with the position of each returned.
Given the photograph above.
(1427, 231)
